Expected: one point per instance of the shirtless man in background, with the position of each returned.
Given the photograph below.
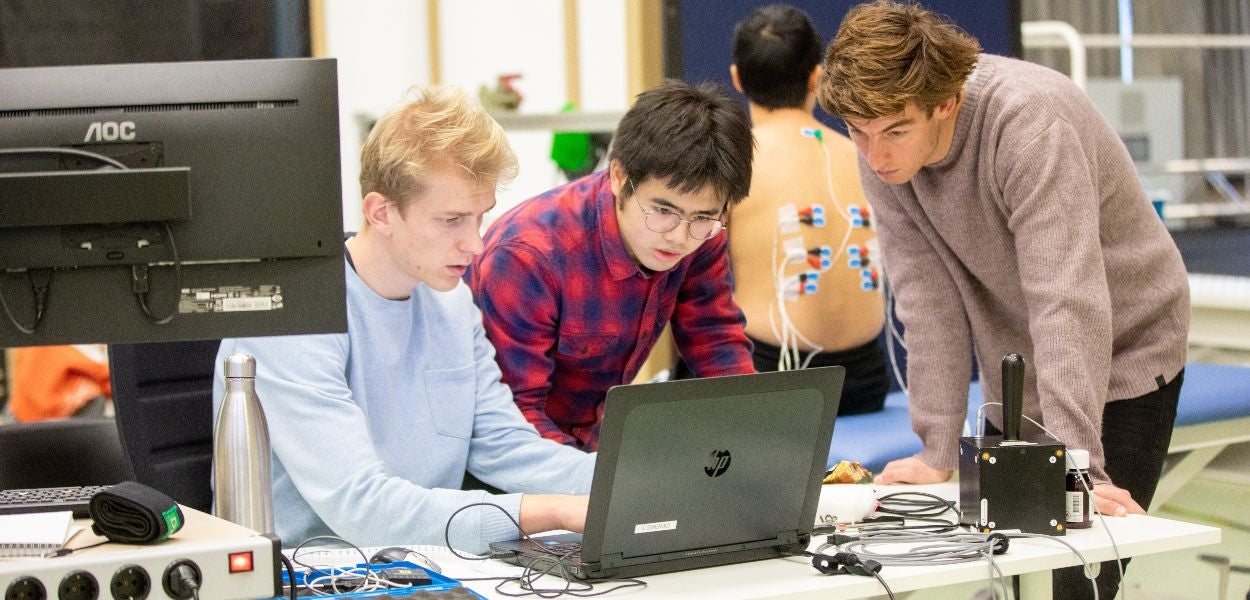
(780, 239)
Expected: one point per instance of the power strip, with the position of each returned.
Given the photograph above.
(230, 562)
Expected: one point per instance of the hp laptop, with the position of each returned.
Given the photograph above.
(701, 472)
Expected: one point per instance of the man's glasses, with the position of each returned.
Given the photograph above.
(663, 220)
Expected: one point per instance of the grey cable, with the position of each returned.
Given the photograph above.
(1084, 562)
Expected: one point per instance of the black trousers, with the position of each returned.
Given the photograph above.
(866, 380)
(1135, 438)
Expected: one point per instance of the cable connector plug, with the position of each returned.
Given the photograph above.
(139, 282)
(182, 580)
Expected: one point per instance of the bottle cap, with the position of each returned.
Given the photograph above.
(1078, 459)
(240, 365)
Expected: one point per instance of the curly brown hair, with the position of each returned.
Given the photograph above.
(889, 54)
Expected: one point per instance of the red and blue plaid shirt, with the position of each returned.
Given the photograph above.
(571, 314)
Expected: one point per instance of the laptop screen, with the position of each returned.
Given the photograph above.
(700, 466)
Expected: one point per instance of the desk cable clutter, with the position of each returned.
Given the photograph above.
(1009, 489)
(926, 539)
(314, 570)
(560, 567)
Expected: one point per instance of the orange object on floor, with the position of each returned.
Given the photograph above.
(52, 382)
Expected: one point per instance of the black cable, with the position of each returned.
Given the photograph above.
(138, 273)
(529, 576)
(184, 583)
(889, 592)
(915, 505)
(319, 572)
(311, 569)
(139, 283)
(68, 551)
(68, 151)
(290, 571)
(39, 292)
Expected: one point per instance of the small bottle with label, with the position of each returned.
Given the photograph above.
(1078, 511)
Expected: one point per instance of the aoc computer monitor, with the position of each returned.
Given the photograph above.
(170, 202)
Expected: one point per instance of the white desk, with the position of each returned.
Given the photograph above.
(1032, 559)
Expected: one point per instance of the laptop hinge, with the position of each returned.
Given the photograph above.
(792, 536)
(784, 539)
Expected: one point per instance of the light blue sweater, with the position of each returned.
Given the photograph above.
(372, 430)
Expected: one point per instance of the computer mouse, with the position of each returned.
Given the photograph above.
(400, 554)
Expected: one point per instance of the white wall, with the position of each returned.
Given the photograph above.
(382, 48)
(601, 43)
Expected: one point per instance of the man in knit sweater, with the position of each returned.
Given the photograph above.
(373, 430)
(1012, 220)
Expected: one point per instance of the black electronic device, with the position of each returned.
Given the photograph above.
(405, 576)
(170, 202)
(164, 202)
(683, 469)
(1008, 483)
(33, 500)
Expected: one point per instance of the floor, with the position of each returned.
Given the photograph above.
(1219, 496)
(1214, 498)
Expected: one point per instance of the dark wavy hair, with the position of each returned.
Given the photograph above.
(689, 136)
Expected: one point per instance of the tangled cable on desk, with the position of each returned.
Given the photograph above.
(530, 576)
(331, 579)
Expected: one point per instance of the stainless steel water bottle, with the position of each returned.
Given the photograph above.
(243, 490)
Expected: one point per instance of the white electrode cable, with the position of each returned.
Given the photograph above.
(834, 198)
(788, 336)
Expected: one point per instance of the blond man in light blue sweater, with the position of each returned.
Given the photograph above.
(372, 431)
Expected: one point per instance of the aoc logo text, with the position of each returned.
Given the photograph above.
(110, 131)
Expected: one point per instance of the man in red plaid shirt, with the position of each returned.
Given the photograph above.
(576, 285)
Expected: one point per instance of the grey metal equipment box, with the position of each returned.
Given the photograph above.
(1011, 485)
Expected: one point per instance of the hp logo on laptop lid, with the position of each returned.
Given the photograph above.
(717, 463)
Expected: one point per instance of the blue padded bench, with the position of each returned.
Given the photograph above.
(1214, 412)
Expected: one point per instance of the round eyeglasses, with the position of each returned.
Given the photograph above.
(663, 220)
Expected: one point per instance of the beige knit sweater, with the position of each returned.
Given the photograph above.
(1033, 235)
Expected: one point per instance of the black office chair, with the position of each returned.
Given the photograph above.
(163, 396)
(61, 453)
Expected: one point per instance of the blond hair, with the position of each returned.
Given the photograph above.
(888, 54)
(432, 125)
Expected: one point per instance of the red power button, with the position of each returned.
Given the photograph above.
(241, 562)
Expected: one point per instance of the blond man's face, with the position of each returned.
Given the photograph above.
(435, 237)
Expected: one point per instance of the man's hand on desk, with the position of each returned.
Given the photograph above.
(547, 512)
(911, 470)
(1114, 501)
